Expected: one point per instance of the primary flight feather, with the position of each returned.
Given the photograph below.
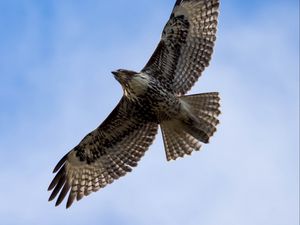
(154, 96)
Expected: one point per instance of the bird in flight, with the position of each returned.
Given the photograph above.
(152, 97)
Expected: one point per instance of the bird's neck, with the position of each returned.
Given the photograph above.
(137, 86)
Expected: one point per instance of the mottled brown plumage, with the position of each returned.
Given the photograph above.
(152, 97)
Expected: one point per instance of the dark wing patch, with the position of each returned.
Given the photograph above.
(164, 60)
(186, 45)
(103, 156)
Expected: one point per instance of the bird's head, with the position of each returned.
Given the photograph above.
(133, 83)
(123, 76)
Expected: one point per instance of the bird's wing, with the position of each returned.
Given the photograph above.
(105, 154)
(186, 44)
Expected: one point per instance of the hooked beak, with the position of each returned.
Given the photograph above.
(115, 73)
(118, 76)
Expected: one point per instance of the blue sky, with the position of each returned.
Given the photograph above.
(56, 86)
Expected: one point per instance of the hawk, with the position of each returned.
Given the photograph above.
(152, 97)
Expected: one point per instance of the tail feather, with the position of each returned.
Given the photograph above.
(178, 142)
(207, 103)
(198, 123)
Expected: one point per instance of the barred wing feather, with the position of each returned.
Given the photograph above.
(186, 45)
(104, 155)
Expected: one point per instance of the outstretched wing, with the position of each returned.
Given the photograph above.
(186, 44)
(105, 154)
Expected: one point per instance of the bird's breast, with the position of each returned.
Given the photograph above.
(158, 104)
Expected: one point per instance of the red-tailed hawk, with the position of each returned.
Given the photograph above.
(154, 96)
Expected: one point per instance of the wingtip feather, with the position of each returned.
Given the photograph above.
(57, 178)
(60, 163)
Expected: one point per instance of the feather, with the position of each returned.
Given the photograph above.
(186, 45)
(104, 155)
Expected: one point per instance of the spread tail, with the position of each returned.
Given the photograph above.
(197, 123)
